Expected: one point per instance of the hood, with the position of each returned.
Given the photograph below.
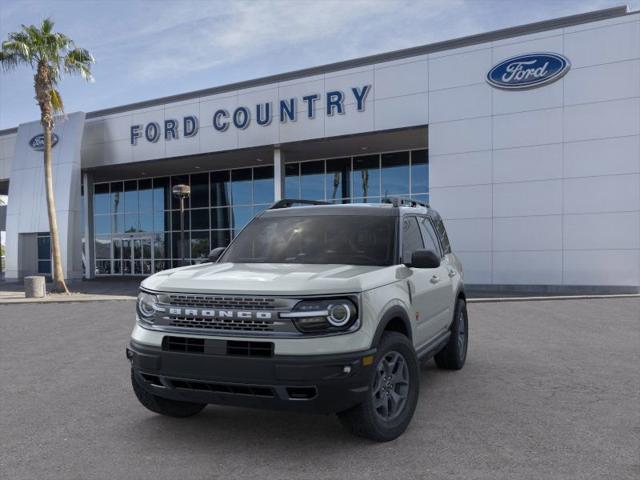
(271, 278)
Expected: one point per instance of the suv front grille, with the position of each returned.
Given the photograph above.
(223, 324)
(223, 302)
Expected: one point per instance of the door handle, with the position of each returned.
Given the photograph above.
(435, 279)
(452, 272)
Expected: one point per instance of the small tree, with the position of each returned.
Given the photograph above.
(49, 54)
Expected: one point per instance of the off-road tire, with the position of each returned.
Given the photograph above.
(364, 420)
(454, 354)
(164, 406)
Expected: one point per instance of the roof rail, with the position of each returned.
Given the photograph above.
(290, 202)
(404, 202)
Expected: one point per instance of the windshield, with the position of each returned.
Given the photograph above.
(341, 239)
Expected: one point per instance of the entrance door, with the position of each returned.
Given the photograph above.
(133, 256)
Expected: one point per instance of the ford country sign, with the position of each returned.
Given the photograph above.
(528, 71)
(37, 142)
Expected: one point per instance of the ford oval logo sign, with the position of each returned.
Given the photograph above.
(37, 142)
(528, 71)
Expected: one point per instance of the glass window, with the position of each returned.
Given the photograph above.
(44, 267)
(292, 180)
(161, 222)
(200, 190)
(175, 245)
(220, 218)
(200, 219)
(337, 179)
(103, 267)
(175, 220)
(145, 195)
(117, 223)
(116, 198)
(161, 245)
(366, 177)
(103, 247)
(220, 189)
(419, 171)
(263, 185)
(312, 180)
(411, 238)
(395, 173)
(102, 224)
(101, 199)
(44, 247)
(179, 180)
(429, 236)
(241, 186)
(131, 203)
(161, 194)
(117, 249)
(442, 233)
(365, 240)
(131, 222)
(220, 238)
(200, 245)
(146, 222)
(241, 216)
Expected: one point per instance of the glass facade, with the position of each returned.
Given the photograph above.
(137, 222)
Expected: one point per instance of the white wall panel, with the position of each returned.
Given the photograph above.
(471, 168)
(602, 231)
(549, 96)
(602, 267)
(401, 112)
(603, 45)
(459, 103)
(602, 82)
(351, 122)
(399, 80)
(460, 136)
(302, 129)
(540, 162)
(527, 198)
(462, 202)
(616, 193)
(477, 266)
(527, 233)
(456, 70)
(345, 82)
(547, 41)
(608, 156)
(473, 234)
(212, 140)
(601, 120)
(527, 268)
(527, 128)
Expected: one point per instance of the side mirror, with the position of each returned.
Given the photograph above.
(424, 259)
(214, 254)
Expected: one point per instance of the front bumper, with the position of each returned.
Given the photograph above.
(313, 384)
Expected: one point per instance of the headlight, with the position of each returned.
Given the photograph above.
(146, 305)
(323, 316)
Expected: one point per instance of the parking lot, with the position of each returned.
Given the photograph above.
(551, 389)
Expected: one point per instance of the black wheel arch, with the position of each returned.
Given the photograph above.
(395, 319)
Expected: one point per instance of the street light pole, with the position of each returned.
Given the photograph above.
(181, 192)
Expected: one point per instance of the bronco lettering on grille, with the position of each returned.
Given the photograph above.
(208, 313)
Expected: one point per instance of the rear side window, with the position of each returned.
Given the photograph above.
(411, 238)
(429, 236)
(442, 233)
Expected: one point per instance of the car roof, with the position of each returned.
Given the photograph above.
(371, 209)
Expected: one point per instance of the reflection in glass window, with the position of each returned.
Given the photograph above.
(395, 173)
(200, 219)
(220, 218)
(411, 238)
(117, 223)
(312, 180)
(200, 244)
(241, 186)
(131, 203)
(103, 247)
(117, 198)
(146, 222)
(160, 245)
(161, 194)
(337, 179)
(366, 177)
(44, 247)
(101, 198)
(175, 220)
(145, 195)
(263, 185)
(419, 171)
(131, 223)
(161, 221)
(241, 216)
(200, 190)
(220, 189)
(44, 267)
(220, 238)
(102, 224)
(292, 180)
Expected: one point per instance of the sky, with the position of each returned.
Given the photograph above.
(150, 49)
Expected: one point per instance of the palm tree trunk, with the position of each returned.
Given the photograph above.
(59, 284)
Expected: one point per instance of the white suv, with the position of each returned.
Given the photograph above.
(312, 308)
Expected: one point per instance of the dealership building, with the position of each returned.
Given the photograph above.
(526, 140)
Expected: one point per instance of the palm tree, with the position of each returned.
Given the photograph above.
(50, 55)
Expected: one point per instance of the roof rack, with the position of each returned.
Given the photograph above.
(290, 202)
(404, 202)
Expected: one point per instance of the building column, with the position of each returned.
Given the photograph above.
(278, 174)
(87, 222)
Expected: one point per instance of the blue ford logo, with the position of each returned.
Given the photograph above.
(37, 142)
(528, 71)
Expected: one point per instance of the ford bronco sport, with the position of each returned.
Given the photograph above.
(312, 308)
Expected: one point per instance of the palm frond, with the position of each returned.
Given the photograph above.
(56, 101)
(79, 61)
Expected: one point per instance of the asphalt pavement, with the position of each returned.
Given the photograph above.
(551, 390)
